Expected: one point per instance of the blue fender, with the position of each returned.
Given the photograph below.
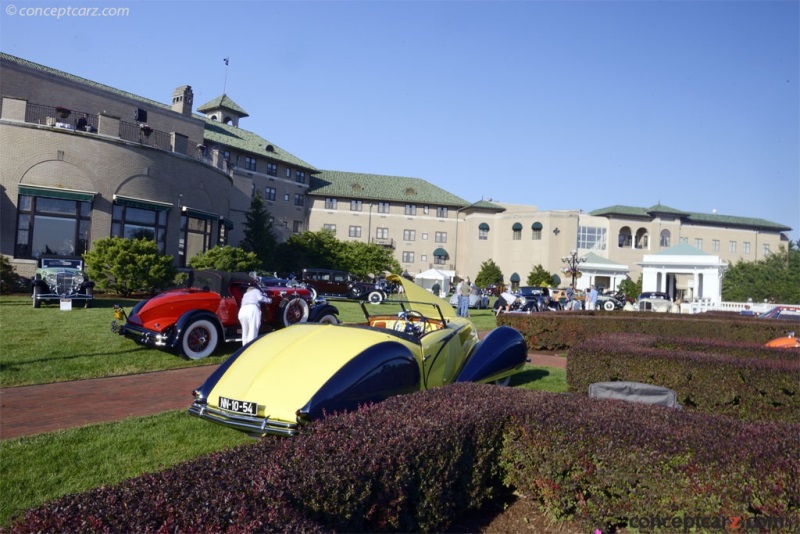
(201, 393)
(188, 317)
(501, 350)
(381, 371)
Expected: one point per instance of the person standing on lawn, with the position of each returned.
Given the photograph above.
(250, 313)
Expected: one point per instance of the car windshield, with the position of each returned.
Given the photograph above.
(62, 263)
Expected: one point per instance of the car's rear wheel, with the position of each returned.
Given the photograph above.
(375, 297)
(200, 339)
(294, 311)
(36, 292)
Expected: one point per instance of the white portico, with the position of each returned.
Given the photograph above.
(601, 273)
(684, 272)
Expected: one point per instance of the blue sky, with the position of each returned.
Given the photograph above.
(562, 105)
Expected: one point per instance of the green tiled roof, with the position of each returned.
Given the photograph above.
(223, 101)
(380, 187)
(681, 249)
(77, 79)
(594, 259)
(486, 205)
(225, 134)
(711, 219)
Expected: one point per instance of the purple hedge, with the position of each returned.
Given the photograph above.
(743, 380)
(608, 464)
(561, 330)
(419, 462)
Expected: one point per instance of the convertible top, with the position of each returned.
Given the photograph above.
(218, 281)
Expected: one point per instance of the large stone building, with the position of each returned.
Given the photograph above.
(186, 179)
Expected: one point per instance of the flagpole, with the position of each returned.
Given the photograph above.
(225, 84)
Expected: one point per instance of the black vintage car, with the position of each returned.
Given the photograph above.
(341, 284)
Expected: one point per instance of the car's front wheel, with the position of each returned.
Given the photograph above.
(36, 292)
(200, 339)
(295, 311)
(328, 318)
(504, 382)
(89, 292)
(355, 292)
(375, 297)
(608, 305)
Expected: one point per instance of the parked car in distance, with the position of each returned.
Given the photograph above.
(535, 298)
(791, 313)
(195, 319)
(654, 301)
(611, 300)
(341, 284)
(477, 299)
(789, 341)
(299, 374)
(61, 278)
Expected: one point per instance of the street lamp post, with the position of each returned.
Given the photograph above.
(573, 263)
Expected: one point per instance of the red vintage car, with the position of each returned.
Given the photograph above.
(195, 319)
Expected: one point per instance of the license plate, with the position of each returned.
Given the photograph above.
(231, 405)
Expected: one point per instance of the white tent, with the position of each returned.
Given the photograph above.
(430, 277)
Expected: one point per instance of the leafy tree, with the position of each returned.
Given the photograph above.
(363, 259)
(258, 235)
(226, 258)
(489, 274)
(319, 250)
(10, 281)
(125, 266)
(630, 288)
(775, 277)
(540, 277)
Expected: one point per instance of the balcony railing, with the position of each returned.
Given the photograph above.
(383, 242)
(144, 135)
(70, 119)
(59, 117)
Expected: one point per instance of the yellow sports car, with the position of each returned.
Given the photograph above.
(297, 374)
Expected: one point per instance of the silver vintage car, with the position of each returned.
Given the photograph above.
(60, 278)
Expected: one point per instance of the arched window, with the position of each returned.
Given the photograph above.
(517, 231)
(483, 231)
(625, 237)
(536, 229)
(642, 238)
(666, 238)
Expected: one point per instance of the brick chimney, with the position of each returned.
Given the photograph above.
(182, 99)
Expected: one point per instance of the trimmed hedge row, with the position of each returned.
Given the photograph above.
(612, 464)
(562, 330)
(748, 381)
(419, 462)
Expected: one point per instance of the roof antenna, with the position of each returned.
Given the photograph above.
(225, 84)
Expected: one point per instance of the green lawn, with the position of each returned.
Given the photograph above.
(50, 345)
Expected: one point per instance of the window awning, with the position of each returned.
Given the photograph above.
(483, 226)
(536, 226)
(227, 223)
(440, 252)
(199, 214)
(56, 192)
(517, 226)
(514, 278)
(141, 203)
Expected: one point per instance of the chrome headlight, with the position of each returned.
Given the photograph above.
(50, 278)
(78, 280)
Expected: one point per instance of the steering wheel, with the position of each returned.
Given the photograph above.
(417, 324)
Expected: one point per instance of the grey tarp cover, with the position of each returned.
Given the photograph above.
(635, 392)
